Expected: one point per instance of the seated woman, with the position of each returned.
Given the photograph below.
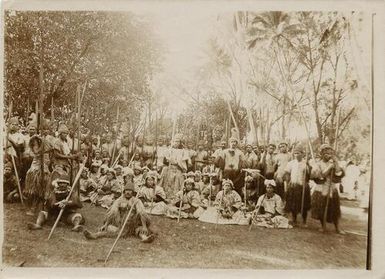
(187, 203)
(269, 209)
(86, 186)
(107, 192)
(227, 210)
(138, 223)
(153, 195)
(211, 189)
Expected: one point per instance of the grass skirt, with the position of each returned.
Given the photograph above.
(318, 206)
(34, 188)
(294, 198)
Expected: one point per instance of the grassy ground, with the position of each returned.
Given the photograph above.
(188, 244)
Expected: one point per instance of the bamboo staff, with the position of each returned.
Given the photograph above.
(67, 199)
(210, 193)
(218, 210)
(156, 139)
(256, 212)
(303, 186)
(41, 118)
(245, 195)
(79, 125)
(232, 115)
(116, 135)
(37, 116)
(52, 112)
(28, 109)
(122, 228)
(180, 204)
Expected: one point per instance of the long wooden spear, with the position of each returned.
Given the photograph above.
(304, 183)
(116, 135)
(156, 138)
(79, 125)
(41, 119)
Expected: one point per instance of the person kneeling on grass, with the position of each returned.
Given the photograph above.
(138, 224)
(269, 209)
(55, 202)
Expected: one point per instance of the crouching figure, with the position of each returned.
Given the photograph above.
(57, 200)
(138, 223)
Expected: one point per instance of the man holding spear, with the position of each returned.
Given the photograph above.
(298, 191)
(60, 198)
(135, 222)
(326, 173)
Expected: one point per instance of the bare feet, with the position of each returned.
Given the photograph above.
(29, 213)
(33, 226)
(77, 228)
(340, 232)
(88, 235)
(148, 239)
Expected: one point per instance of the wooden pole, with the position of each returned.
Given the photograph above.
(180, 204)
(337, 130)
(116, 135)
(79, 126)
(37, 116)
(52, 110)
(304, 184)
(256, 212)
(41, 118)
(28, 109)
(156, 139)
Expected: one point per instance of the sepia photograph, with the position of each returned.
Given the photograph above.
(187, 138)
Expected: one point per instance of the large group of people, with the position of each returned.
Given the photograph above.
(59, 169)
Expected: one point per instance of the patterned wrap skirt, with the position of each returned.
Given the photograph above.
(319, 200)
(294, 198)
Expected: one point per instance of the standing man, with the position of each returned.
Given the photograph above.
(297, 175)
(233, 159)
(15, 142)
(201, 157)
(269, 163)
(177, 159)
(327, 175)
(282, 159)
(62, 154)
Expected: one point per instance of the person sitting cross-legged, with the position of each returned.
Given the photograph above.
(138, 224)
(152, 195)
(228, 207)
(187, 203)
(269, 209)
